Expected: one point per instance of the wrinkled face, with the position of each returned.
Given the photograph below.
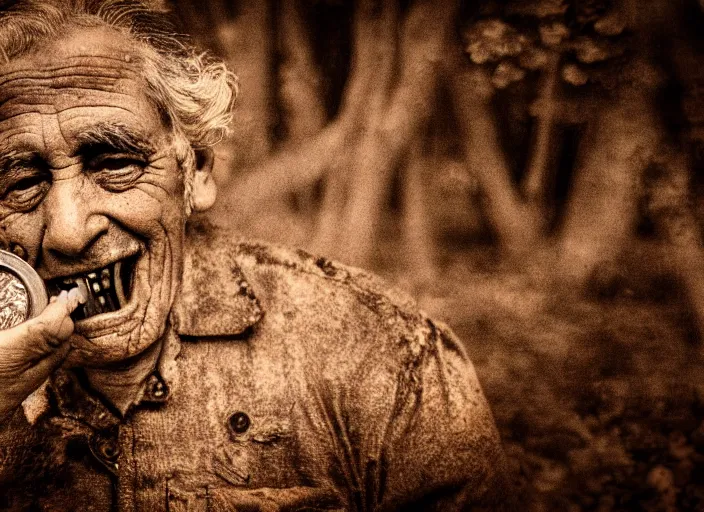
(90, 186)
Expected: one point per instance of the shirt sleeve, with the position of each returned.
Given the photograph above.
(419, 432)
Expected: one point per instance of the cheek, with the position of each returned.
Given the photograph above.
(154, 205)
(24, 229)
(146, 215)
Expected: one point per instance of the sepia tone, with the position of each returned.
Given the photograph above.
(531, 171)
(174, 365)
(525, 173)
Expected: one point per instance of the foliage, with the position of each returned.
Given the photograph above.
(518, 37)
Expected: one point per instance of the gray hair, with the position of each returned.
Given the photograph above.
(194, 92)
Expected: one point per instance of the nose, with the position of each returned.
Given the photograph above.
(72, 225)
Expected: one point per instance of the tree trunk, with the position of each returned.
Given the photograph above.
(418, 234)
(671, 209)
(516, 226)
(424, 38)
(542, 157)
(601, 213)
(244, 32)
(365, 96)
(300, 94)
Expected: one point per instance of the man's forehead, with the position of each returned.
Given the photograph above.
(84, 61)
(103, 45)
(89, 76)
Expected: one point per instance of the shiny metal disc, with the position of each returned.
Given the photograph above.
(22, 292)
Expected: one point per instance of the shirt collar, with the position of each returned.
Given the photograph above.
(76, 407)
(215, 298)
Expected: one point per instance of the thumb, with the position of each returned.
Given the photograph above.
(29, 352)
(40, 336)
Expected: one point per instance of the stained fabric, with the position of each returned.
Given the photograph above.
(317, 388)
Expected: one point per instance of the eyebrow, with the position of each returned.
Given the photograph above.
(12, 159)
(113, 137)
(97, 139)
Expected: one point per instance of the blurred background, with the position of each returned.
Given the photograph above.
(532, 172)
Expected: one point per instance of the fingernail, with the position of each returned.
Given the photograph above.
(63, 296)
(74, 297)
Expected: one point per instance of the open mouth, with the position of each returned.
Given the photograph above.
(106, 289)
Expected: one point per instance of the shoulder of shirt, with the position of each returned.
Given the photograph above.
(333, 299)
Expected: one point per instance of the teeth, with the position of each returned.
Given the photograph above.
(102, 288)
(119, 292)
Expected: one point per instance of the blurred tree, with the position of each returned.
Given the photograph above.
(553, 106)
(240, 32)
(570, 58)
(387, 101)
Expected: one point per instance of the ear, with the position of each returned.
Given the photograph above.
(204, 188)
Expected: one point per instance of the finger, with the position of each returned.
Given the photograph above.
(76, 297)
(54, 325)
(41, 335)
(35, 375)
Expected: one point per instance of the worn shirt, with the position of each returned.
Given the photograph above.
(285, 382)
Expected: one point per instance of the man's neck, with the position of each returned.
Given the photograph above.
(121, 384)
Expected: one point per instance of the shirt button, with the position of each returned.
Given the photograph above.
(156, 389)
(108, 449)
(239, 423)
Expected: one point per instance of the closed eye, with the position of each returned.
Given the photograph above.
(116, 173)
(24, 192)
(114, 164)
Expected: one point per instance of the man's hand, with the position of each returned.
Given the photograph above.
(29, 352)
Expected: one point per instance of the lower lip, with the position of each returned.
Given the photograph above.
(112, 322)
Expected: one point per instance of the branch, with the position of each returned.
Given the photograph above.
(287, 171)
(538, 171)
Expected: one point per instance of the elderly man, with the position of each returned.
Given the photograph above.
(192, 372)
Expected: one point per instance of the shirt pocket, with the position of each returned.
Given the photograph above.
(191, 494)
